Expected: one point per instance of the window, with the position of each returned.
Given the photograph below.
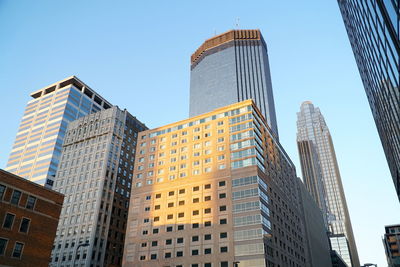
(196, 200)
(171, 205)
(8, 221)
(207, 223)
(179, 253)
(222, 208)
(168, 242)
(148, 197)
(169, 228)
(222, 221)
(157, 207)
(181, 215)
(147, 209)
(17, 252)
(2, 191)
(155, 230)
(171, 193)
(207, 237)
(207, 264)
(222, 195)
(196, 188)
(223, 235)
(195, 252)
(181, 202)
(142, 258)
(181, 191)
(3, 246)
(207, 251)
(145, 232)
(30, 203)
(195, 212)
(146, 220)
(195, 225)
(195, 238)
(224, 264)
(144, 245)
(158, 195)
(24, 225)
(207, 211)
(207, 186)
(167, 255)
(223, 249)
(170, 216)
(179, 240)
(222, 183)
(154, 243)
(207, 198)
(181, 227)
(16, 195)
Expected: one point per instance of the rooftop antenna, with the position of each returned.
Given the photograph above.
(237, 23)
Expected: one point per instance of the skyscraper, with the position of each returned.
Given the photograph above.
(37, 147)
(95, 174)
(373, 30)
(320, 169)
(229, 68)
(214, 190)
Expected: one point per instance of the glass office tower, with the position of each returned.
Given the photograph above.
(320, 169)
(373, 30)
(37, 147)
(229, 68)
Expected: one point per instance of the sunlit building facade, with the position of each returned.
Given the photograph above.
(373, 30)
(37, 148)
(391, 242)
(212, 191)
(322, 177)
(229, 68)
(95, 175)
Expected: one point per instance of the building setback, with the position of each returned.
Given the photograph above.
(391, 243)
(373, 30)
(37, 148)
(320, 169)
(214, 190)
(229, 68)
(29, 216)
(95, 174)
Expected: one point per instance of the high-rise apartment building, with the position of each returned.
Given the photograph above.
(373, 30)
(391, 242)
(229, 68)
(37, 147)
(212, 191)
(95, 174)
(321, 175)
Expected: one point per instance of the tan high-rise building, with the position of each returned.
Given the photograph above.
(212, 191)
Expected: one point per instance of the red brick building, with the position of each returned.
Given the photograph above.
(29, 216)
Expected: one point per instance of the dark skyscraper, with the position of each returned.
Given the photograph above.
(373, 29)
(229, 68)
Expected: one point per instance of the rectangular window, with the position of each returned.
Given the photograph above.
(24, 227)
(2, 191)
(30, 203)
(3, 246)
(8, 221)
(17, 252)
(16, 195)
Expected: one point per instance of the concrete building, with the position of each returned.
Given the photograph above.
(29, 216)
(37, 148)
(95, 174)
(229, 68)
(391, 242)
(316, 236)
(374, 33)
(214, 190)
(320, 169)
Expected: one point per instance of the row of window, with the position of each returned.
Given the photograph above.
(181, 227)
(17, 251)
(180, 240)
(9, 222)
(182, 214)
(179, 253)
(16, 197)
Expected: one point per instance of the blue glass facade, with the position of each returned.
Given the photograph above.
(232, 69)
(373, 30)
(37, 148)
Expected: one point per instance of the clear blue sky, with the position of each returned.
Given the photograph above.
(136, 54)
